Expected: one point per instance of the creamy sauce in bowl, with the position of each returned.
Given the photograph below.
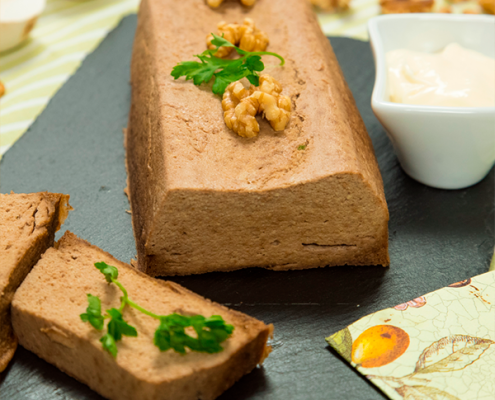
(455, 77)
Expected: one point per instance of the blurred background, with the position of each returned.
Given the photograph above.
(43, 42)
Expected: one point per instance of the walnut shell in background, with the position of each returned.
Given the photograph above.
(488, 6)
(406, 6)
(331, 5)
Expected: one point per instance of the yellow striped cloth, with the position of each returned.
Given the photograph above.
(69, 30)
(350, 23)
(63, 36)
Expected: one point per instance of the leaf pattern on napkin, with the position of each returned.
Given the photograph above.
(451, 353)
(424, 393)
(342, 343)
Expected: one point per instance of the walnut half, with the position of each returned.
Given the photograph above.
(240, 106)
(406, 6)
(246, 36)
(488, 6)
(216, 3)
(331, 5)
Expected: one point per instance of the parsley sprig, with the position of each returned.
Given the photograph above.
(225, 71)
(170, 334)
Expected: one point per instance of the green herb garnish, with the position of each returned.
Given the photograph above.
(301, 147)
(225, 71)
(170, 334)
(108, 343)
(93, 313)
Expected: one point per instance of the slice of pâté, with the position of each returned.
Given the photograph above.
(46, 317)
(28, 223)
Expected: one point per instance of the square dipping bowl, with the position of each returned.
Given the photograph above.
(443, 147)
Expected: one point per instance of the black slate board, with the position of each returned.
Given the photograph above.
(436, 237)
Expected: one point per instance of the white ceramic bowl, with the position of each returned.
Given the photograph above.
(443, 147)
(17, 19)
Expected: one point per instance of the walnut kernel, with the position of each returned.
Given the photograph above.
(246, 36)
(406, 6)
(331, 5)
(241, 105)
(488, 6)
(216, 3)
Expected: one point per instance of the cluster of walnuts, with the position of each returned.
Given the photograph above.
(246, 36)
(241, 105)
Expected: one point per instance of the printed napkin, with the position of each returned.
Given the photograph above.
(440, 346)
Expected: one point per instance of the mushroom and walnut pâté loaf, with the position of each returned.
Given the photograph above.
(205, 199)
(28, 223)
(46, 317)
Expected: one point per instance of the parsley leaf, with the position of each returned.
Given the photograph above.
(162, 338)
(210, 333)
(107, 270)
(199, 72)
(301, 147)
(220, 41)
(254, 63)
(109, 344)
(118, 327)
(253, 80)
(170, 334)
(93, 312)
(225, 71)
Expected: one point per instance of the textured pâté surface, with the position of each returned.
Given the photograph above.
(205, 199)
(27, 228)
(436, 236)
(45, 317)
